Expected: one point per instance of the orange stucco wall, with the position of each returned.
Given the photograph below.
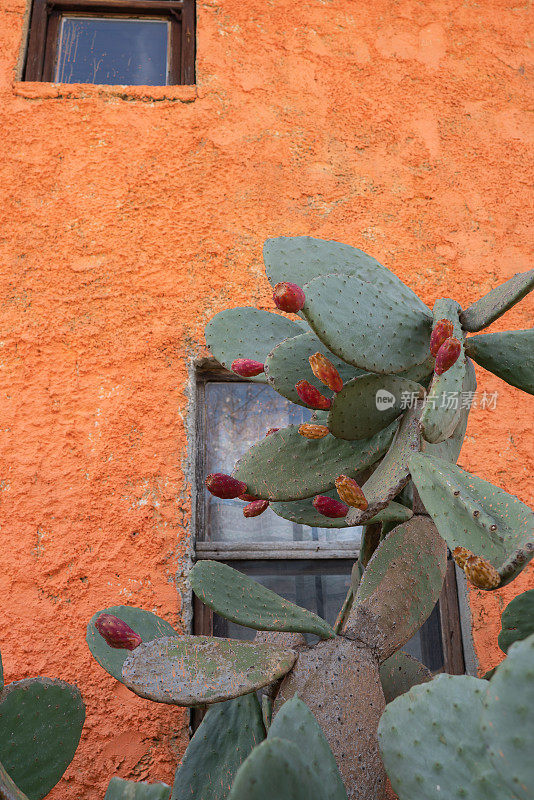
(127, 218)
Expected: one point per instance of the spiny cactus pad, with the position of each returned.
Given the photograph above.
(147, 625)
(490, 307)
(366, 326)
(287, 466)
(368, 403)
(517, 621)
(295, 722)
(449, 449)
(198, 670)
(443, 404)
(247, 333)
(225, 738)
(304, 513)
(289, 363)
(8, 789)
(400, 586)
(41, 722)
(235, 596)
(120, 789)
(302, 258)
(510, 355)
(399, 673)
(472, 513)
(277, 769)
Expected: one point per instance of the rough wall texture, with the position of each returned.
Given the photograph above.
(129, 217)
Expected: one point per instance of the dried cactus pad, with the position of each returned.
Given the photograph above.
(510, 355)
(517, 621)
(287, 466)
(236, 597)
(149, 626)
(247, 333)
(302, 258)
(490, 307)
(366, 326)
(472, 513)
(198, 670)
(226, 736)
(8, 789)
(120, 789)
(41, 722)
(399, 673)
(304, 513)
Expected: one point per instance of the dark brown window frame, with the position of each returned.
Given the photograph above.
(44, 30)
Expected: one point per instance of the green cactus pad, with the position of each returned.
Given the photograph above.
(507, 719)
(247, 333)
(392, 473)
(198, 670)
(147, 625)
(490, 307)
(227, 735)
(431, 744)
(303, 512)
(399, 673)
(449, 449)
(120, 789)
(41, 722)
(443, 405)
(295, 722)
(400, 586)
(356, 412)
(287, 466)
(240, 599)
(300, 259)
(366, 326)
(289, 363)
(517, 621)
(277, 769)
(472, 513)
(510, 355)
(8, 790)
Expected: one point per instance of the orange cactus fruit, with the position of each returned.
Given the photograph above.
(442, 330)
(324, 370)
(255, 508)
(350, 492)
(310, 431)
(481, 573)
(460, 555)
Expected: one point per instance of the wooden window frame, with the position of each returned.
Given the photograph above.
(45, 20)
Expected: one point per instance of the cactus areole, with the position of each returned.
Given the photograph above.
(344, 467)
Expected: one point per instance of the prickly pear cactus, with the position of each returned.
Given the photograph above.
(120, 789)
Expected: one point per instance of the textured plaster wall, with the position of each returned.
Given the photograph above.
(129, 217)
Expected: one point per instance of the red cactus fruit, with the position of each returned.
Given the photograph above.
(288, 297)
(481, 573)
(247, 368)
(117, 633)
(248, 498)
(312, 396)
(310, 431)
(255, 508)
(443, 329)
(324, 370)
(350, 492)
(447, 355)
(224, 486)
(329, 507)
(272, 430)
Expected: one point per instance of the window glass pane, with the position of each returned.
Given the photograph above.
(237, 416)
(113, 51)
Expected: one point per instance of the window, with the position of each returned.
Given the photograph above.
(309, 566)
(132, 42)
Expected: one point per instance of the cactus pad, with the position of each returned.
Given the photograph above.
(289, 363)
(449, 449)
(227, 735)
(8, 790)
(304, 513)
(287, 466)
(510, 355)
(366, 326)
(399, 673)
(198, 670)
(41, 722)
(517, 621)
(247, 333)
(295, 722)
(147, 625)
(490, 307)
(240, 599)
(474, 514)
(119, 789)
(356, 412)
